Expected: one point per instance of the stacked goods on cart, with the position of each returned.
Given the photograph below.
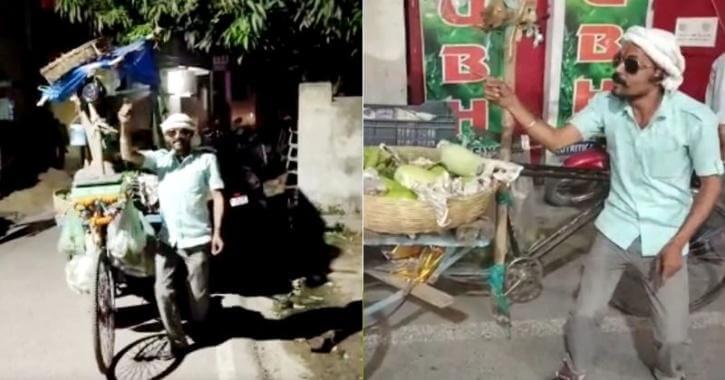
(129, 239)
(412, 190)
(68, 61)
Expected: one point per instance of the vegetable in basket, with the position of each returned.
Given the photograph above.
(382, 161)
(438, 170)
(396, 190)
(371, 157)
(459, 160)
(412, 176)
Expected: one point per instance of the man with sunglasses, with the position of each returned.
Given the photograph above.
(186, 180)
(656, 136)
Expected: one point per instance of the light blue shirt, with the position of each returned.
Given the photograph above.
(651, 167)
(184, 189)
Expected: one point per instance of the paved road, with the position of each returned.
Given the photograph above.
(464, 342)
(45, 329)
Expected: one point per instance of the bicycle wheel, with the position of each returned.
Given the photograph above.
(705, 271)
(567, 192)
(102, 312)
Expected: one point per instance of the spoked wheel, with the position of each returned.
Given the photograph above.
(705, 271)
(102, 311)
(524, 279)
(566, 192)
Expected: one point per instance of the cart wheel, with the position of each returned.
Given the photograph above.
(523, 279)
(103, 313)
(565, 192)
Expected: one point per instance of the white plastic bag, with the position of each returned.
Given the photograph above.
(72, 236)
(79, 273)
(126, 235)
(128, 243)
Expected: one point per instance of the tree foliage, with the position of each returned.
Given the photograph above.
(239, 26)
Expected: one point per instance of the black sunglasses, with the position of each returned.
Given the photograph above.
(180, 132)
(631, 64)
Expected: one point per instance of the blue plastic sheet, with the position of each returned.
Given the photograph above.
(137, 65)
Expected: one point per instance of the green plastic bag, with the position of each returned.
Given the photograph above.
(72, 239)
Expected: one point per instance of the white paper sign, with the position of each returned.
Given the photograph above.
(696, 31)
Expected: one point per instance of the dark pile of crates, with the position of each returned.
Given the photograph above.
(382, 124)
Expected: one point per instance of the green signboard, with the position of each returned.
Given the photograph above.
(457, 56)
(584, 36)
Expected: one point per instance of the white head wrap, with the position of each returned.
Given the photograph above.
(662, 48)
(178, 120)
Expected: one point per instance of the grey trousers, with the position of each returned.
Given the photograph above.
(669, 305)
(168, 262)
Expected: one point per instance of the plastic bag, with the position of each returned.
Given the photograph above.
(79, 273)
(127, 241)
(72, 239)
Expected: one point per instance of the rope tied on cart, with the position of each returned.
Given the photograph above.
(502, 309)
(504, 197)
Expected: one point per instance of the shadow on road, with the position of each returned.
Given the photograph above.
(130, 316)
(237, 322)
(265, 249)
(9, 231)
(139, 361)
(268, 247)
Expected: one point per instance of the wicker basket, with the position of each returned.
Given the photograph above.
(72, 59)
(407, 216)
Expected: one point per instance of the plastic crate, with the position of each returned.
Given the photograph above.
(385, 128)
(408, 133)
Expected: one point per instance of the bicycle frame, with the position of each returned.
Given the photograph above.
(593, 166)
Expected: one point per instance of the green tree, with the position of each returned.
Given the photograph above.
(291, 31)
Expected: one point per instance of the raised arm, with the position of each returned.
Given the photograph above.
(128, 152)
(550, 137)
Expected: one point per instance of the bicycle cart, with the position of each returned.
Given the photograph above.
(452, 251)
(85, 76)
(527, 267)
(425, 249)
(523, 276)
(99, 205)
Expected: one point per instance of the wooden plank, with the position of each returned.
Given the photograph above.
(424, 292)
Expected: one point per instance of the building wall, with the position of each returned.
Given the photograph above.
(698, 61)
(384, 52)
(330, 147)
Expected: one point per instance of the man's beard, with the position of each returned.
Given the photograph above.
(618, 79)
(182, 147)
(622, 83)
